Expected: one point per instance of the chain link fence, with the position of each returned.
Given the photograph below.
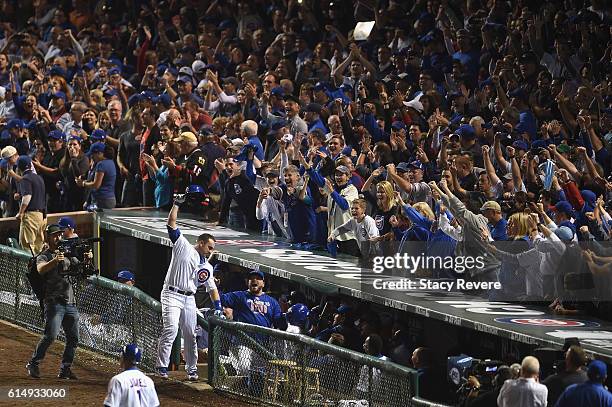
(283, 369)
(111, 314)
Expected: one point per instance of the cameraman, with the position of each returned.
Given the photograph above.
(60, 306)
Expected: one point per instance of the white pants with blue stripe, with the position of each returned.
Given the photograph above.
(178, 309)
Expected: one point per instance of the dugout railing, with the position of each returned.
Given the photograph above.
(296, 370)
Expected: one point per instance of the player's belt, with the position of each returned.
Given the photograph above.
(176, 290)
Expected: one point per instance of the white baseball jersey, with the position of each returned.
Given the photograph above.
(131, 388)
(187, 269)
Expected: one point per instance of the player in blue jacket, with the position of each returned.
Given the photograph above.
(253, 306)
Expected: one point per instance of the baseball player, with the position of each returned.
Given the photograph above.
(131, 388)
(253, 306)
(189, 268)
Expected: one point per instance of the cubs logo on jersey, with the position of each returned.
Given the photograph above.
(203, 275)
(380, 222)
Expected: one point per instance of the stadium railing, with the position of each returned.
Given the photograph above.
(111, 314)
(294, 369)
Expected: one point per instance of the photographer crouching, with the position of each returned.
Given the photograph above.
(59, 303)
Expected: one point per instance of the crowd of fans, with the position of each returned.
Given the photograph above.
(477, 128)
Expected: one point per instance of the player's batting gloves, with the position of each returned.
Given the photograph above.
(179, 199)
(219, 314)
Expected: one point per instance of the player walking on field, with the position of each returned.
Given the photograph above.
(189, 268)
(131, 388)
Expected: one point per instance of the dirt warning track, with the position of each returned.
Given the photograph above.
(94, 372)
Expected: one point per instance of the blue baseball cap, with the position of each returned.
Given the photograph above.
(416, 164)
(466, 131)
(520, 145)
(24, 163)
(402, 167)
(98, 147)
(564, 233)
(134, 99)
(126, 275)
(14, 124)
(320, 86)
(277, 91)
(597, 370)
(57, 135)
(75, 138)
(148, 95)
(343, 309)
(226, 24)
(564, 207)
(165, 100)
(398, 125)
(98, 134)
(59, 95)
(131, 352)
(88, 66)
(257, 273)
(110, 92)
(589, 196)
(57, 71)
(172, 70)
(66, 222)
(114, 71)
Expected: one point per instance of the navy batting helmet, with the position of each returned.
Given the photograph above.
(297, 314)
(131, 352)
(126, 275)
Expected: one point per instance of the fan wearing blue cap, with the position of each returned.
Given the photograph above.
(131, 387)
(69, 226)
(592, 392)
(126, 277)
(253, 306)
(297, 318)
(103, 184)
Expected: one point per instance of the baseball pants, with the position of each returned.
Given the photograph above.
(178, 309)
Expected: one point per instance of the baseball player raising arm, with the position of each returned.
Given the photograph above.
(131, 388)
(189, 268)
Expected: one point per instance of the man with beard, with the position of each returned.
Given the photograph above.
(253, 306)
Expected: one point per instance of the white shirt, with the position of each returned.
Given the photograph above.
(522, 393)
(363, 231)
(187, 270)
(131, 388)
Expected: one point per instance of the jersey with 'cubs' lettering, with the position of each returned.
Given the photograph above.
(193, 171)
(131, 388)
(261, 310)
(187, 270)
